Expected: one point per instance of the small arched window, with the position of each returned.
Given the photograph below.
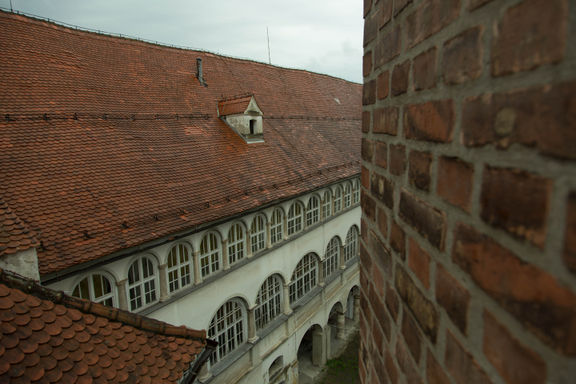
(347, 195)
(179, 268)
(351, 248)
(268, 302)
(313, 211)
(142, 283)
(337, 199)
(294, 218)
(210, 254)
(96, 288)
(331, 257)
(304, 278)
(236, 244)
(228, 328)
(277, 226)
(327, 205)
(258, 235)
(356, 199)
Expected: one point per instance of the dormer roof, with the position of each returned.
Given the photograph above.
(238, 105)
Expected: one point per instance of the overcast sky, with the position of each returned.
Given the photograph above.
(323, 36)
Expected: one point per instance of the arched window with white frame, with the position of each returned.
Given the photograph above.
(277, 226)
(337, 199)
(97, 288)
(313, 211)
(327, 205)
(347, 195)
(228, 328)
(351, 248)
(356, 197)
(142, 283)
(304, 278)
(332, 256)
(258, 234)
(210, 254)
(236, 244)
(268, 301)
(295, 218)
(179, 268)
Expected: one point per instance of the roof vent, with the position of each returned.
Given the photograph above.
(199, 74)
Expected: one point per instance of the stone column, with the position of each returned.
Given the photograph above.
(341, 330)
(204, 373)
(285, 226)
(163, 282)
(252, 337)
(197, 270)
(122, 295)
(225, 261)
(318, 350)
(268, 238)
(321, 213)
(342, 259)
(321, 277)
(286, 297)
(356, 307)
(248, 244)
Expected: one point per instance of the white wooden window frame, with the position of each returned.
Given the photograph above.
(210, 254)
(258, 234)
(236, 243)
(277, 226)
(351, 248)
(304, 278)
(327, 205)
(313, 211)
(331, 257)
(142, 283)
(228, 328)
(179, 268)
(268, 301)
(295, 218)
(88, 291)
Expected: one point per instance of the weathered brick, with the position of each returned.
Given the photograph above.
(419, 262)
(367, 150)
(455, 299)
(455, 182)
(367, 7)
(397, 159)
(422, 308)
(382, 189)
(387, 47)
(400, 78)
(367, 64)
(384, 12)
(424, 70)
(386, 120)
(381, 316)
(381, 255)
(383, 222)
(406, 364)
(366, 118)
(518, 117)
(370, 28)
(537, 299)
(531, 33)
(382, 85)
(391, 369)
(430, 17)
(365, 177)
(377, 336)
(515, 362)
(411, 336)
(419, 169)
(461, 365)
(516, 201)
(399, 5)
(431, 121)
(368, 206)
(474, 4)
(570, 233)
(381, 154)
(397, 239)
(462, 57)
(380, 368)
(427, 220)
(434, 372)
(392, 302)
(366, 262)
(369, 93)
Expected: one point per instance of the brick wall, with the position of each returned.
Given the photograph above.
(468, 250)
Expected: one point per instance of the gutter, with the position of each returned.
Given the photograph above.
(192, 373)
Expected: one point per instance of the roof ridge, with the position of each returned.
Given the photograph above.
(237, 97)
(32, 287)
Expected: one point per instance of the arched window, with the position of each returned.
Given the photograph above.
(179, 268)
(332, 256)
(142, 283)
(275, 369)
(304, 278)
(313, 211)
(294, 218)
(356, 198)
(228, 328)
(258, 236)
(347, 195)
(327, 206)
(337, 199)
(236, 244)
(351, 248)
(277, 226)
(268, 302)
(210, 254)
(96, 288)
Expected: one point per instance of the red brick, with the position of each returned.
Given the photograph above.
(368, 206)
(387, 47)
(365, 177)
(518, 117)
(399, 5)
(382, 189)
(516, 201)
(397, 239)
(397, 159)
(406, 364)
(383, 223)
(461, 365)
(474, 4)
(570, 233)
(424, 70)
(400, 78)
(411, 336)
(419, 262)
(455, 182)
(392, 302)
(419, 170)
(431, 121)
(434, 372)
(391, 369)
(369, 93)
(430, 17)
(427, 220)
(377, 337)
(366, 117)
(515, 362)
(537, 299)
(381, 154)
(367, 64)
(530, 34)
(367, 7)
(455, 299)
(381, 316)
(386, 120)
(384, 12)
(370, 28)
(381, 255)
(462, 57)
(382, 85)
(367, 150)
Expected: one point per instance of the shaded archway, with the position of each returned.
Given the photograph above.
(311, 354)
(335, 330)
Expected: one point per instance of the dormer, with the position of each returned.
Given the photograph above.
(243, 115)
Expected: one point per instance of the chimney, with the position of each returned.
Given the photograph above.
(199, 75)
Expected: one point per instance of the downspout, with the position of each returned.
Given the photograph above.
(192, 373)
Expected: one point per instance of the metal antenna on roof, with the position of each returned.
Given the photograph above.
(268, 38)
(11, 9)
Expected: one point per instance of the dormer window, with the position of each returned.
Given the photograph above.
(243, 115)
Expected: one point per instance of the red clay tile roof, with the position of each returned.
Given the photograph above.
(108, 143)
(234, 106)
(14, 235)
(46, 336)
